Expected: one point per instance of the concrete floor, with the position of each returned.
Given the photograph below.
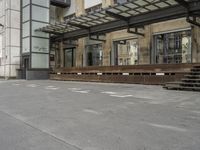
(52, 115)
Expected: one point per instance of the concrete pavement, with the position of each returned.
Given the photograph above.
(56, 115)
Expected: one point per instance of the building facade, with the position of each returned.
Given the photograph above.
(169, 42)
(9, 38)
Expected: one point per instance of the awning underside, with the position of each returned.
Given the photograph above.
(124, 11)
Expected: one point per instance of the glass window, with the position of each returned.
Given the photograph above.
(26, 13)
(26, 29)
(26, 45)
(44, 3)
(40, 14)
(173, 48)
(126, 52)
(40, 60)
(37, 25)
(94, 55)
(40, 45)
(25, 2)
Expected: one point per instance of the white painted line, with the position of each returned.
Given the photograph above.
(122, 96)
(92, 111)
(99, 74)
(125, 74)
(79, 73)
(83, 92)
(167, 127)
(32, 85)
(51, 88)
(74, 89)
(108, 92)
(160, 74)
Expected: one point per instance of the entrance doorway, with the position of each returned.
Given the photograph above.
(25, 66)
(69, 58)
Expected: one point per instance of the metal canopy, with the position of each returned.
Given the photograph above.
(132, 13)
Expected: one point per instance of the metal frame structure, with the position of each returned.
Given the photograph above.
(132, 14)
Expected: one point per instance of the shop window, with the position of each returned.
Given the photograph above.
(173, 48)
(126, 52)
(94, 55)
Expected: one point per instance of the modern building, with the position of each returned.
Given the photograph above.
(134, 41)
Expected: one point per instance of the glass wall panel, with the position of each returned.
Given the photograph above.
(26, 45)
(173, 48)
(126, 52)
(40, 60)
(40, 45)
(40, 14)
(25, 2)
(44, 3)
(37, 25)
(94, 55)
(26, 13)
(26, 29)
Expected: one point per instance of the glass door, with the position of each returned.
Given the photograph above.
(69, 58)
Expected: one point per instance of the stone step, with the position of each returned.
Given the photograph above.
(179, 87)
(195, 73)
(193, 76)
(197, 67)
(191, 80)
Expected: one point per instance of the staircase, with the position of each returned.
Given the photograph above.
(190, 82)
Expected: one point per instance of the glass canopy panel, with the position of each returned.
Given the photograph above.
(140, 2)
(151, 7)
(162, 5)
(131, 5)
(122, 8)
(125, 14)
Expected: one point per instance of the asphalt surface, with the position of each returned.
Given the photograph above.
(53, 115)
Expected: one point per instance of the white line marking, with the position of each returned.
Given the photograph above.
(83, 92)
(167, 127)
(122, 96)
(32, 85)
(74, 89)
(92, 111)
(51, 88)
(108, 92)
(16, 84)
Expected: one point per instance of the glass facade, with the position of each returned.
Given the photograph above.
(94, 55)
(173, 48)
(126, 52)
(35, 45)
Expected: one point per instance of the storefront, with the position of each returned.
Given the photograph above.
(173, 47)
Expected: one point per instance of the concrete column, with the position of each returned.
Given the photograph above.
(145, 46)
(107, 46)
(196, 44)
(81, 42)
(61, 54)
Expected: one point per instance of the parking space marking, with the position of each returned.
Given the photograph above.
(82, 92)
(109, 92)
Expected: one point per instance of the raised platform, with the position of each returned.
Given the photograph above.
(140, 74)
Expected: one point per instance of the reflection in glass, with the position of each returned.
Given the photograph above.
(94, 55)
(173, 48)
(126, 52)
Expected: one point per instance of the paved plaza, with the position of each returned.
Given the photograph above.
(58, 115)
